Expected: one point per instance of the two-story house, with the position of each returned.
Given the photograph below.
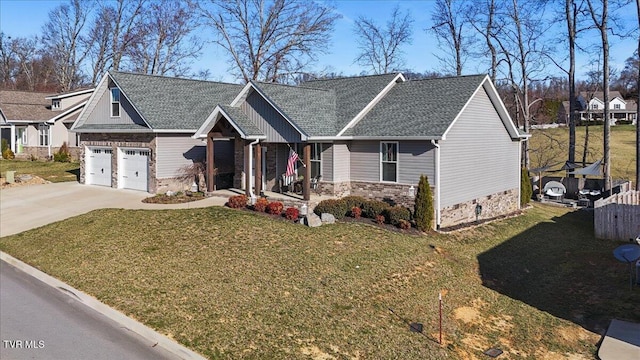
(590, 108)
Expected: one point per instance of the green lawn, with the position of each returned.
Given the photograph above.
(551, 146)
(233, 284)
(48, 170)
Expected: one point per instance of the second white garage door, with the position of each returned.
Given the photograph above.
(133, 169)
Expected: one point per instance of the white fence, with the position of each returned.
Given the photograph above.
(618, 216)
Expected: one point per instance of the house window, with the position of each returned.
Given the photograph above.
(316, 160)
(616, 106)
(55, 104)
(43, 134)
(594, 107)
(115, 102)
(389, 161)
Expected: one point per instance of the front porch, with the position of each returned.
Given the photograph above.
(288, 199)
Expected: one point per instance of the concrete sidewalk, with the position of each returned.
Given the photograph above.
(28, 207)
(621, 342)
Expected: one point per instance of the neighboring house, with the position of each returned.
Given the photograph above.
(590, 107)
(371, 136)
(37, 124)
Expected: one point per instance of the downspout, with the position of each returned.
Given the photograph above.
(437, 182)
(250, 171)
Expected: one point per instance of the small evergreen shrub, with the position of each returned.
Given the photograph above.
(397, 213)
(526, 191)
(275, 208)
(261, 204)
(356, 212)
(292, 213)
(4, 146)
(423, 213)
(373, 208)
(380, 219)
(237, 202)
(8, 154)
(63, 154)
(336, 207)
(404, 224)
(354, 201)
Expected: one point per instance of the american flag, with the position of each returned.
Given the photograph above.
(291, 163)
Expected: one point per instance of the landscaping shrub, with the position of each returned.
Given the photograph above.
(63, 154)
(404, 224)
(261, 204)
(373, 208)
(380, 219)
(275, 208)
(8, 154)
(292, 213)
(354, 201)
(356, 212)
(424, 205)
(237, 202)
(526, 191)
(338, 208)
(397, 213)
(4, 146)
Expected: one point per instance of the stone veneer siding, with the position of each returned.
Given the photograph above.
(238, 149)
(115, 141)
(493, 206)
(42, 152)
(396, 194)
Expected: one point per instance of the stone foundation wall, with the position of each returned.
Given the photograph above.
(42, 152)
(172, 184)
(394, 194)
(115, 141)
(238, 163)
(494, 205)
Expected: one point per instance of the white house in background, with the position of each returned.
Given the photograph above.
(590, 107)
(36, 124)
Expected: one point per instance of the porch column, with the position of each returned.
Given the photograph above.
(211, 176)
(247, 169)
(258, 167)
(13, 138)
(306, 186)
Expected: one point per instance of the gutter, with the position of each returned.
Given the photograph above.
(437, 183)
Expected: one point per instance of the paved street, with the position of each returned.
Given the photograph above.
(40, 322)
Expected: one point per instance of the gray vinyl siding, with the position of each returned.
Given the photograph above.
(341, 162)
(478, 158)
(175, 151)
(327, 162)
(365, 161)
(100, 113)
(416, 158)
(269, 120)
(72, 100)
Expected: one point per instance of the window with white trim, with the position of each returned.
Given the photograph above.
(616, 106)
(43, 134)
(389, 161)
(55, 104)
(115, 102)
(594, 107)
(316, 159)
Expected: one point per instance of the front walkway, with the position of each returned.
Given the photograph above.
(288, 199)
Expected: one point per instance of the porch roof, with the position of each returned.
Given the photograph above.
(241, 121)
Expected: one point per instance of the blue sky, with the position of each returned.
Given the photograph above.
(26, 17)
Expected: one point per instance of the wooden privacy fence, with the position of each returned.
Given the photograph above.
(618, 216)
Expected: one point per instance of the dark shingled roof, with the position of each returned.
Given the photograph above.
(312, 110)
(423, 108)
(114, 127)
(352, 93)
(174, 103)
(239, 118)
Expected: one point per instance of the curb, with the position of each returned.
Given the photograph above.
(93, 303)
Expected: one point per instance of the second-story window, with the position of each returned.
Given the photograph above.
(594, 107)
(55, 104)
(616, 106)
(115, 102)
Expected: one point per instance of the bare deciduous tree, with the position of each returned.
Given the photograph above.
(269, 41)
(483, 19)
(62, 39)
(454, 38)
(167, 43)
(380, 47)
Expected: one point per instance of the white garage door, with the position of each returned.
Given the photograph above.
(133, 169)
(98, 166)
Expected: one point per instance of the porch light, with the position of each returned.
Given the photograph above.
(412, 191)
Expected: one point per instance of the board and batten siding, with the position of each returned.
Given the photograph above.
(100, 112)
(175, 151)
(269, 121)
(414, 159)
(341, 162)
(478, 157)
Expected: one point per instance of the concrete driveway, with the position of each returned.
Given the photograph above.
(28, 207)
